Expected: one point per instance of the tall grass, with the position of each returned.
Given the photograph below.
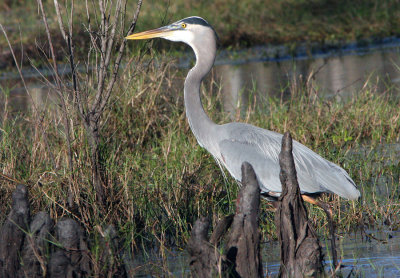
(160, 179)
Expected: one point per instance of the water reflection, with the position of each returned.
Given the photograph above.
(18, 100)
(338, 76)
(334, 75)
(360, 256)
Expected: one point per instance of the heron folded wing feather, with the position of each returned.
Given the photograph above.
(263, 147)
(235, 152)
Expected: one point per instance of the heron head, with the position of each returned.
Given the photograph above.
(191, 30)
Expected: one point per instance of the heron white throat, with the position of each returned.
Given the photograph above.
(232, 144)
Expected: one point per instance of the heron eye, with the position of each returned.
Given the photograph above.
(183, 25)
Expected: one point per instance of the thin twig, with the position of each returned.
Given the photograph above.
(59, 19)
(61, 96)
(118, 60)
(53, 56)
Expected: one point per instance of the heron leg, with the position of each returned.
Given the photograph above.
(328, 211)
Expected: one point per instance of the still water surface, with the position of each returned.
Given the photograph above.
(360, 257)
(338, 74)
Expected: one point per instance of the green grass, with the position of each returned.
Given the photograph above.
(160, 180)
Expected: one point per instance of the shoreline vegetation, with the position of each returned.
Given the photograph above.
(238, 24)
(158, 180)
(161, 180)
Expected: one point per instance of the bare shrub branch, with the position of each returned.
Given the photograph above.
(101, 60)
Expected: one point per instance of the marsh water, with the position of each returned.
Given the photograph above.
(267, 71)
(360, 256)
(335, 73)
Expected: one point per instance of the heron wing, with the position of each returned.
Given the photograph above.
(235, 152)
(261, 149)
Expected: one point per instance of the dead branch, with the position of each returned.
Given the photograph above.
(103, 43)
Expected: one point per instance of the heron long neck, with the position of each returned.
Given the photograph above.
(199, 122)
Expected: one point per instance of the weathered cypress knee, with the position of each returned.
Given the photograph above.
(13, 231)
(243, 248)
(35, 247)
(204, 257)
(60, 266)
(301, 254)
(242, 253)
(72, 257)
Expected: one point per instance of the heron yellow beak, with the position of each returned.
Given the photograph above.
(155, 33)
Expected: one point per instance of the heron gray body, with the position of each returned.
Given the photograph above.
(234, 143)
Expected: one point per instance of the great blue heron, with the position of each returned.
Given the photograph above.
(234, 143)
